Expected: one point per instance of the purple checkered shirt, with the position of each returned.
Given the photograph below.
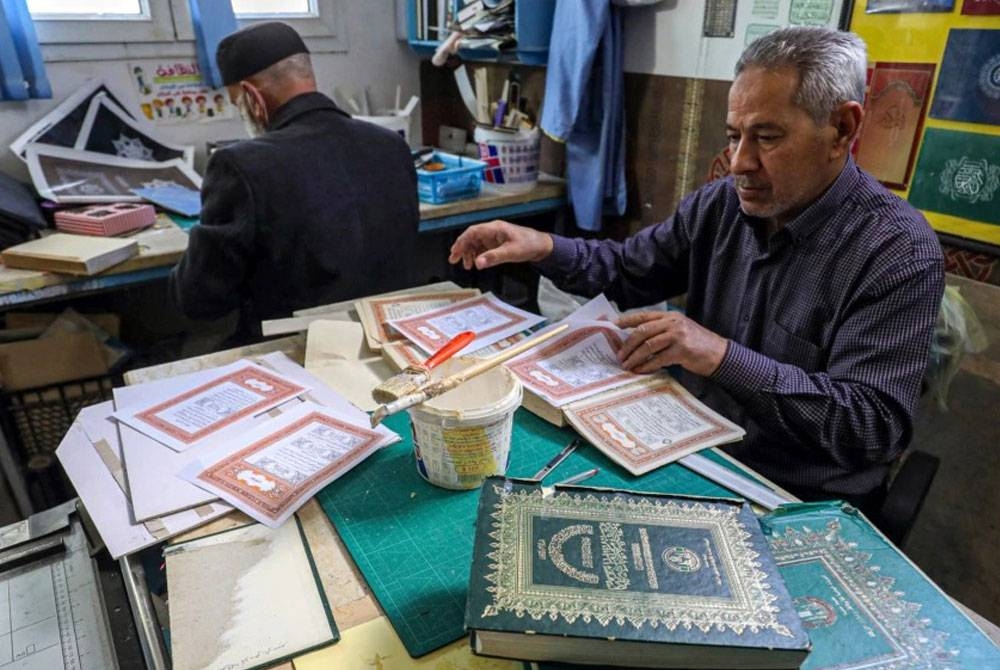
(829, 321)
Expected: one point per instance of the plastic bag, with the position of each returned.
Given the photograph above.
(958, 331)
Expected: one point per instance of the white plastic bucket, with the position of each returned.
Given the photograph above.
(462, 437)
(511, 159)
(397, 123)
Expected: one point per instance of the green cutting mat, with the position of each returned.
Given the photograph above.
(413, 541)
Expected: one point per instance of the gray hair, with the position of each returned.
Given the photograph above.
(296, 66)
(831, 65)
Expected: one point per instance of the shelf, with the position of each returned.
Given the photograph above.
(532, 26)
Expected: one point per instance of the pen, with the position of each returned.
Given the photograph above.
(576, 479)
(557, 459)
(502, 105)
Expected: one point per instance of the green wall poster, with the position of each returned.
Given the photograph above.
(959, 174)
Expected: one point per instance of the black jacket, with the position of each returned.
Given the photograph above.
(321, 208)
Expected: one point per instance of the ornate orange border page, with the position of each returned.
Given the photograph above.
(271, 471)
(648, 424)
(239, 392)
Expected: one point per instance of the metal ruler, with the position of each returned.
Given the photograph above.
(734, 481)
(52, 607)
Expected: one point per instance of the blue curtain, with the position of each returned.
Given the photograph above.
(212, 20)
(22, 71)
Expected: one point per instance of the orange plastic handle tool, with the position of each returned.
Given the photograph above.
(453, 346)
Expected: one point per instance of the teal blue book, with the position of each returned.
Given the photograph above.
(606, 577)
(864, 604)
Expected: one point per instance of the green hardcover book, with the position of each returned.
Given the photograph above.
(864, 604)
(604, 577)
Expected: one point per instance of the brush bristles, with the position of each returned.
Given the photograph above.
(395, 387)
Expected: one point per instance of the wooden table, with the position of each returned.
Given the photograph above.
(350, 599)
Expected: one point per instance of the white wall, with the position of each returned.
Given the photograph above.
(664, 38)
(374, 58)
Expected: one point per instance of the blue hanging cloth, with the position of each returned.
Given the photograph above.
(584, 106)
(212, 20)
(22, 71)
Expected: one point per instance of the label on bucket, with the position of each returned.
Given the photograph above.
(462, 457)
(471, 456)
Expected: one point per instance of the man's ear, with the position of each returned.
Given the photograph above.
(846, 123)
(255, 102)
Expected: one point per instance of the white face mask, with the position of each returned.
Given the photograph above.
(250, 124)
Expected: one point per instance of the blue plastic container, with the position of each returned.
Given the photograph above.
(462, 178)
(533, 27)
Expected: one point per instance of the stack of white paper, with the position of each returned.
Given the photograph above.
(126, 461)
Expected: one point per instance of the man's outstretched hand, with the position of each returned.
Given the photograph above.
(497, 242)
(660, 339)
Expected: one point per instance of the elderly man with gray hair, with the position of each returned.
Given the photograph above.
(812, 291)
(315, 208)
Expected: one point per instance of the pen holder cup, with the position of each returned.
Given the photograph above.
(511, 159)
(462, 437)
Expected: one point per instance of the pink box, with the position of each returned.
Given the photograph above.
(106, 220)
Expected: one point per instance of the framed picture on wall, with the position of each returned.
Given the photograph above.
(958, 174)
(981, 7)
(969, 86)
(895, 107)
(908, 6)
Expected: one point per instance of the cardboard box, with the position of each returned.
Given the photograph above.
(51, 360)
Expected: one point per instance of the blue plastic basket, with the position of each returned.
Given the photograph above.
(462, 178)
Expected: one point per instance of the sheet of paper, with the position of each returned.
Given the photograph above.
(488, 317)
(108, 129)
(61, 126)
(172, 197)
(579, 363)
(272, 470)
(648, 424)
(229, 398)
(150, 465)
(376, 312)
(374, 644)
(336, 353)
(244, 598)
(596, 309)
(70, 176)
(88, 454)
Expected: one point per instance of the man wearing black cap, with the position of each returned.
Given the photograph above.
(316, 208)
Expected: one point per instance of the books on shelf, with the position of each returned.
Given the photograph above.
(70, 254)
(603, 577)
(864, 603)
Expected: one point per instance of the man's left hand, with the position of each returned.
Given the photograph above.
(669, 338)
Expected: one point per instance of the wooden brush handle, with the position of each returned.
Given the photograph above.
(453, 346)
(490, 363)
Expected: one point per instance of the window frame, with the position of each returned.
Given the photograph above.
(168, 33)
(158, 27)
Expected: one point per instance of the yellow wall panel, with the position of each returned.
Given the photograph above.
(921, 38)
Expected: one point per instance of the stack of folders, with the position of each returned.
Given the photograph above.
(106, 220)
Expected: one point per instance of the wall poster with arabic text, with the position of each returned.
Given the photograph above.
(173, 92)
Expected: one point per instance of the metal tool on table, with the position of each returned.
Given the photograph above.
(735, 482)
(414, 376)
(438, 387)
(58, 618)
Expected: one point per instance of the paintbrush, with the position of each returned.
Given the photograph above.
(414, 376)
(435, 388)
